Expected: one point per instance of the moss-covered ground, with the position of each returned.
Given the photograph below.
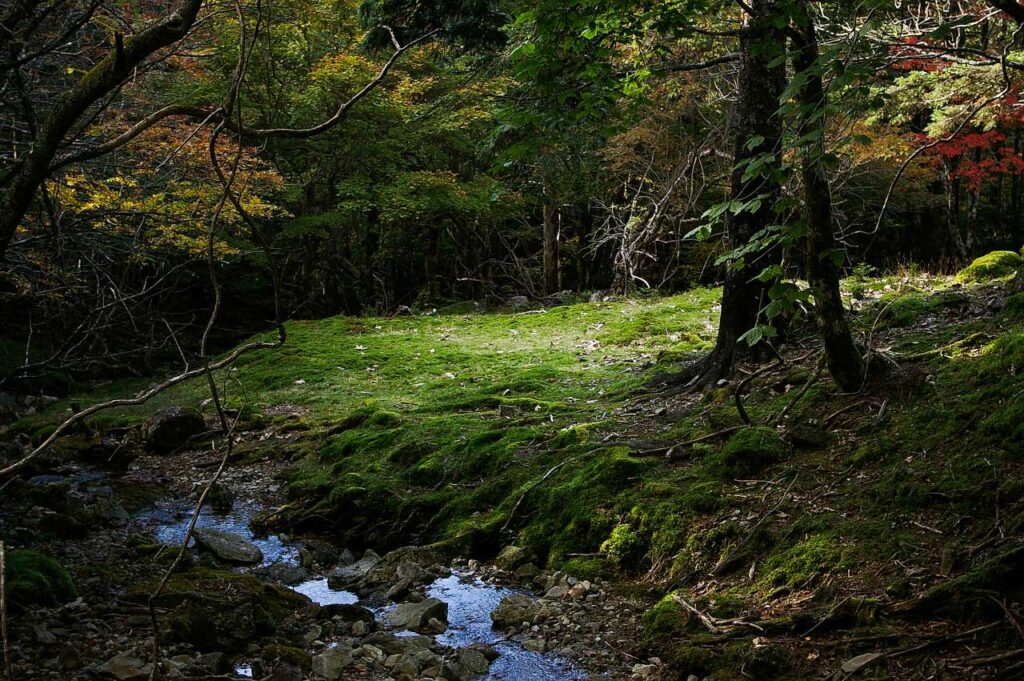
(896, 511)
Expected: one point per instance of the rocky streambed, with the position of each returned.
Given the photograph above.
(407, 614)
(283, 608)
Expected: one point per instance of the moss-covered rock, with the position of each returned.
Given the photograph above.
(219, 610)
(35, 578)
(749, 451)
(994, 265)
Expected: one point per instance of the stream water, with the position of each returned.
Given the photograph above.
(470, 600)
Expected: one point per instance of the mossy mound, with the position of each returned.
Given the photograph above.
(34, 578)
(219, 610)
(994, 265)
(750, 451)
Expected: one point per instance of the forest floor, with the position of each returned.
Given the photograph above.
(868, 535)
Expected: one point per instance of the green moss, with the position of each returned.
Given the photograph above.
(800, 564)
(35, 578)
(994, 265)
(750, 451)
(624, 546)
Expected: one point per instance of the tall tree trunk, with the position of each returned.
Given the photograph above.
(952, 186)
(551, 259)
(755, 116)
(841, 353)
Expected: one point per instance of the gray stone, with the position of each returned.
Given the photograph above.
(331, 664)
(512, 557)
(227, 546)
(417, 616)
(124, 667)
(472, 662)
(170, 429)
(348, 575)
(512, 611)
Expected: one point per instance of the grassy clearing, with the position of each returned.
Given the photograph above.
(487, 429)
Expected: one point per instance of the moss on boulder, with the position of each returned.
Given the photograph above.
(750, 451)
(994, 265)
(35, 578)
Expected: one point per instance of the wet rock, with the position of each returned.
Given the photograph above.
(472, 662)
(171, 428)
(210, 664)
(124, 667)
(512, 557)
(221, 499)
(285, 573)
(417, 616)
(361, 628)
(227, 546)
(398, 645)
(331, 664)
(344, 612)
(348, 575)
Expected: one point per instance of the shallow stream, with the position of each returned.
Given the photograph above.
(470, 600)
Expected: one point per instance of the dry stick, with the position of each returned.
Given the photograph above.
(668, 451)
(544, 477)
(8, 673)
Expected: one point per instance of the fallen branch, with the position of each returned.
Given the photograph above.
(803, 390)
(670, 450)
(711, 623)
(551, 471)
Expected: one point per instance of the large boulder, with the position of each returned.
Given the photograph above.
(417, 616)
(347, 576)
(227, 546)
(35, 578)
(171, 429)
(994, 265)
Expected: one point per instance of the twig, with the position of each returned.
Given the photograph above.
(8, 673)
(711, 623)
(738, 394)
(668, 451)
(803, 390)
(551, 471)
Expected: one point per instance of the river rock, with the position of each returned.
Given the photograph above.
(124, 667)
(345, 612)
(472, 662)
(170, 429)
(285, 573)
(227, 546)
(417, 616)
(331, 664)
(512, 611)
(512, 557)
(347, 575)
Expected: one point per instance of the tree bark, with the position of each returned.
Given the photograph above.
(755, 116)
(551, 255)
(822, 269)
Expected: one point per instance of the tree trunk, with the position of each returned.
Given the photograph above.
(952, 185)
(551, 259)
(841, 353)
(755, 116)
